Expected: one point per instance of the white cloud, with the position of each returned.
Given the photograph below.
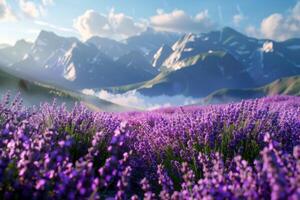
(92, 23)
(272, 26)
(33, 9)
(48, 2)
(29, 8)
(115, 25)
(179, 21)
(136, 100)
(55, 27)
(6, 13)
(252, 31)
(279, 26)
(123, 25)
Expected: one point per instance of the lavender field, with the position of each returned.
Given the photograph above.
(247, 150)
(133, 100)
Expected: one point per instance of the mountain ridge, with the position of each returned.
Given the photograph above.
(157, 63)
(282, 86)
(35, 93)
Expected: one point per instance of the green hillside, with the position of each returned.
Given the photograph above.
(282, 86)
(197, 76)
(34, 93)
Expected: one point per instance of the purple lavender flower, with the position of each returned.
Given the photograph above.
(246, 150)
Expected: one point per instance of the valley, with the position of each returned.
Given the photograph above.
(157, 63)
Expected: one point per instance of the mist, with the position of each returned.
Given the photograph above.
(136, 100)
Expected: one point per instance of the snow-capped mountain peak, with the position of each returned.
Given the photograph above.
(161, 55)
(102, 62)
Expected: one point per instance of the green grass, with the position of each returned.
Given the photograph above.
(34, 93)
(282, 86)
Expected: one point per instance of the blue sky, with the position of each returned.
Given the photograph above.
(118, 19)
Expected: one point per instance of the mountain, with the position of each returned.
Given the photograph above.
(109, 47)
(70, 63)
(47, 49)
(12, 54)
(265, 60)
(146, 43)
(34, 93)
(282, 86)
(156, 63)
(198, 64)
(84, 66)
(47, 43)
(161, 55)
(198, 76)
(149, 41)
(137, 63)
